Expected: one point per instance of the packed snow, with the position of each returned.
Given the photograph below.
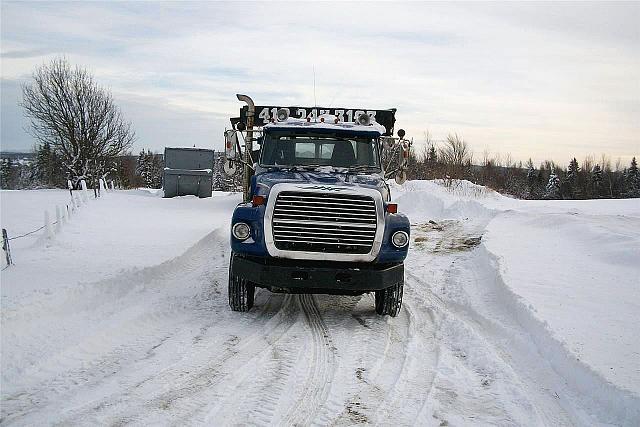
(515, 313)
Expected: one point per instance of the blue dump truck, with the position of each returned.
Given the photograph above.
(317, 215)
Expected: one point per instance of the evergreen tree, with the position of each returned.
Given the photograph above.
(218, 181)
(553, 186)
(149, 168)
(570, 188)
(43, 154)
(157, 167)
(532, 178)
(432, 155)
(632, 173)
(542, 176)
(573, 169)
(633, 169)
(531, 172)
(143, 168)
(6, 174)
(47, 168)
(596, 180)
(632, 180)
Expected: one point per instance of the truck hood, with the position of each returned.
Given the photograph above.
(262, 182)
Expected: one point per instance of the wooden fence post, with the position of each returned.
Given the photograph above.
(48, 231)
(6, 247)
(58, 226)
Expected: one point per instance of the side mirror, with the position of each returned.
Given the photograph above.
(401, 177)
(230, 144)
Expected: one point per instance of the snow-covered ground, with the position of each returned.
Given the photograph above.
(515, 313)
(105, 236)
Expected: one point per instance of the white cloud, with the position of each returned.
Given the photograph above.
(533, 81)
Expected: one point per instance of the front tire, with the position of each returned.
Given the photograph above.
(389, 300)
(241, 291)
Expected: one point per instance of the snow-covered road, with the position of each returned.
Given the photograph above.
(157, 344)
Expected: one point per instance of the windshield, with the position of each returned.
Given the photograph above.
(314, 151)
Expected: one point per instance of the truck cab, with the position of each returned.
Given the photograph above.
(318, 216)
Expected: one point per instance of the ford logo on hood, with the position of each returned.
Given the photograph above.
(323, 188)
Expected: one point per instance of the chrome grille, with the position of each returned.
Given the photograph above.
(324, 222)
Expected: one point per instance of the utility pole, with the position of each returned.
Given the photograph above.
(248, 146)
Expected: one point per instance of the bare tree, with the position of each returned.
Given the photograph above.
(456, 156)
(486, 157)
(428, 143)
(77, 117)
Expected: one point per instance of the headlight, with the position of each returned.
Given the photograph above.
(400, 239)
(241, 231)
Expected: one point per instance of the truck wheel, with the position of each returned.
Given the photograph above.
(389, 300)
(241, 291)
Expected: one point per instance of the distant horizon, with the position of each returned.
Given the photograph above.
(537, 165)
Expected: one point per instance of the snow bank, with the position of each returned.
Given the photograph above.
(609, 401)
(579, 273)
(570, 271)
(152, 192)
(22, 210)
(120, 231)
(424, 200)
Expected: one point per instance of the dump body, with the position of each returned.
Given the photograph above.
(188, 171)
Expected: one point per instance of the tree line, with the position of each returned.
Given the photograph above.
(126, 171)
(46, 170)
(590, 179)
(448, 161)
(81, 135)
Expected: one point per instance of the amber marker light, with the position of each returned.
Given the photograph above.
(257, 201)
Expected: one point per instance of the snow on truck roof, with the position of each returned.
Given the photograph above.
(327, 124)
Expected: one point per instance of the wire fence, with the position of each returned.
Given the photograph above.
(75, 204)
(28, 234)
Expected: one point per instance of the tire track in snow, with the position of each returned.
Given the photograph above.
(403, 405)
(142, 383)
(153, 336)
(189, 395)
(497, 393)
(366, 337)
(398, 386)
(353, 338)
(253, 394)
(313, 392)
(267, 385)
(103, 349)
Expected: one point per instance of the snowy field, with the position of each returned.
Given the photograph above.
(515, 313)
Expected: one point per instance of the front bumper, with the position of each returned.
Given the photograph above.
(300, 276)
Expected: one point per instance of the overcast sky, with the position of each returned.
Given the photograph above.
(540, 80)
